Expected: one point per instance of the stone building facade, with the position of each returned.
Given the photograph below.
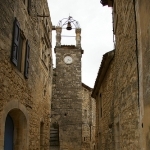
(142, 9)
(66, 119)
(25, 74)
(103, 93)
(73, 109)
(88, 119)
(122, 87)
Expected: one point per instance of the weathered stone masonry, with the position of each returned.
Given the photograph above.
(25, 92)
(142, 8)
(126, 108)
(104, 87)
(122, 125)
(88, 119)
(73, 109)
(67, 98)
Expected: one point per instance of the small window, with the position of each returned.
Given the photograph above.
(41, 135)
(54, 135)
(85, 113)
(84, 138)
(100, 95)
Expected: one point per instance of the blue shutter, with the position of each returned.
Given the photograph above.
(15, 43)
(26, 70)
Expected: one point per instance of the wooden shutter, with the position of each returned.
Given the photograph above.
(15, 43)
(26, 69)
(29, 6)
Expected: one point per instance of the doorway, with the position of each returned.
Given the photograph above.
(15, 135)
(9, 133)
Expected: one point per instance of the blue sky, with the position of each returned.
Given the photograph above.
(97, 37)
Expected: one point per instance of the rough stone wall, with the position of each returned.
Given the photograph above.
(143, 32)
(120, 123)
(106, 96)
(97, 124)
(104, 132)
(67, 98)
(126, 100)
(32, 94)
(88, 119)
(93, 127)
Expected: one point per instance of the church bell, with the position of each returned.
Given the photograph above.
(69, 27)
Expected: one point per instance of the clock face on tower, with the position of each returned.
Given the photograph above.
(68, 59)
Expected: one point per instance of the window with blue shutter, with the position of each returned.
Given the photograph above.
(21, 41)
(15, 43)
(26, 69)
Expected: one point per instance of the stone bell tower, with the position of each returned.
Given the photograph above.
(67, 97)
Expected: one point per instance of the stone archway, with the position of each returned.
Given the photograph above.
(19, 116)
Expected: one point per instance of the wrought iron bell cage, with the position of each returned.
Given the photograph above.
(68, 23)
